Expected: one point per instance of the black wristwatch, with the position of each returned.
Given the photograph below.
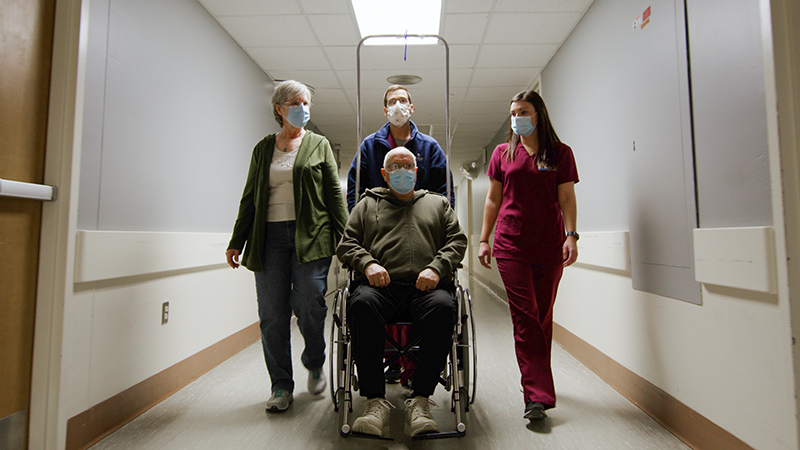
(574, 233)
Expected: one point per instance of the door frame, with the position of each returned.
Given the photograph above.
(48, 413)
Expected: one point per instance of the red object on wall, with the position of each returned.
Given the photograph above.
(646, 14)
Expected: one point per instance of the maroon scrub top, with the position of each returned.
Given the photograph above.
(530, 226)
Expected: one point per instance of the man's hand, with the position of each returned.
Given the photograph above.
(377, 275)
(427, 280)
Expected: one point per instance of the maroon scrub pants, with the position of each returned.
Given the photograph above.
(531, 290)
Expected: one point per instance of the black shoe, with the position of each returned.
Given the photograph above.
(534, 411)
(392, 374)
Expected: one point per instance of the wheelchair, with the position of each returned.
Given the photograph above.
(459, 376)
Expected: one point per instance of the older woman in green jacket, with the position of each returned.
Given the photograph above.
(291, 216)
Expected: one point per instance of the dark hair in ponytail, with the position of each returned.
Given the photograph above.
(548, 139)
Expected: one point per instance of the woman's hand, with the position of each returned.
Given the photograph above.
(377, 275)
(232, 255)
(570, 251)
(485, 255)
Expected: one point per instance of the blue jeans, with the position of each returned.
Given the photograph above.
(287, 286)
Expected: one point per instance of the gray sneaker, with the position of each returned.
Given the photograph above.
(279, 401)
(418, 416)
(316, 381)
(374, 418)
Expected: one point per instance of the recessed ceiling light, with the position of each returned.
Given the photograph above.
(410, 17)
(404, 79)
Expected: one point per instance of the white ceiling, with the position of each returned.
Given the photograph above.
(497, 48)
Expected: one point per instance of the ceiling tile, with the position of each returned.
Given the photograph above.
(504, 77)
(371, 99)
(335, 96)
(463, 144)
(348, 80)
(464, 28)
(342, 58)
(460, 77)
(346, 120)
(331, 108)
(542, 5)
(493, 94)
(516, 55)
(325, 6)
(484, 127)
(547, 28)
(468, 6)
(269, 31)
(497, 107)
(344, 33)
(219, 8)
(432, 117)
(457, 94)
(461, 141)
(319, 79)
(463, 56)
(482, 118)
(288, 59)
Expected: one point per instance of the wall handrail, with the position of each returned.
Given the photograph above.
(31, 191)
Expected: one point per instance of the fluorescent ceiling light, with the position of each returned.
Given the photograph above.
(398, 18)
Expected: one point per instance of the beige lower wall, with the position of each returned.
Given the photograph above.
(692, 428)
(114, 339)
(100, 420)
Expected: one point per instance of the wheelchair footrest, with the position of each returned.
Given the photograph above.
(368, 436)
(442, 435)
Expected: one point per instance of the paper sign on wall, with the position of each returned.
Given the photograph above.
(646, 17)
(642, 20)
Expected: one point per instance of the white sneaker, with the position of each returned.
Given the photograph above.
(418, 416)
(316, 381)
(374, 418)
(279, 401)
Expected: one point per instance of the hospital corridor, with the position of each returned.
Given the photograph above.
(573, 224)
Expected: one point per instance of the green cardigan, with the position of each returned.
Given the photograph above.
(318, 203)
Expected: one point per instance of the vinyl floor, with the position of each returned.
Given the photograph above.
(224, 409)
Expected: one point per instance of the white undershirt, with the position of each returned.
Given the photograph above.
(281, 187)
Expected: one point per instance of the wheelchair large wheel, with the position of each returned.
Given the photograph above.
(337, 350)
(468, 347)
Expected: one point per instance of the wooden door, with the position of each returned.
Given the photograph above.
(25, 56)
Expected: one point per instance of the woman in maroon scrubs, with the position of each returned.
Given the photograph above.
(531, 199)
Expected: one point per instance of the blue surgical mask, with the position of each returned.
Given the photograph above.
(298, 115)
(522, 125)
(402, 181)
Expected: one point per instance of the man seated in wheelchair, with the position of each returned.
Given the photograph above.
(404, 246)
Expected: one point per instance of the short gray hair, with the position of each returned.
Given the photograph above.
(286, 91)
(398, 151)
